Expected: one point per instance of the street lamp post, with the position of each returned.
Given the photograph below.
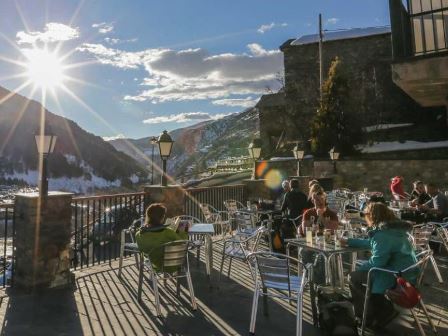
(153, 142)
(334, 156)
(255, 153)
(299, 153)
(45, 146)
(165, 146)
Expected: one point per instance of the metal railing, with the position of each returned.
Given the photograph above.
(97, 222)
(7, 233)
(419, 27)
(214, 196)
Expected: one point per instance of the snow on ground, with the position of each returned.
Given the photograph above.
(392, 146)
(74, 184)
(380, 127)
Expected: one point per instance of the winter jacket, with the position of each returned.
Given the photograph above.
(392, 248)
(149, 241)
(295, 202)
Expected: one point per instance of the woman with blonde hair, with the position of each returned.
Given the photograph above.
(391, 248)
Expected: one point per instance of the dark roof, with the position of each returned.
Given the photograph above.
(341, 35)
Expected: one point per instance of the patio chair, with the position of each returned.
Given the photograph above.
(238, 247)
(422, 235)
(128, 244)
(423, 259)
(175, 256)
(196, 241)
(245, 223)
(216, 217)
(442, 232)
(273, 277)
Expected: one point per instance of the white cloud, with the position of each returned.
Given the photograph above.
(185, 117)
(333, 21)
(115, 137)
(267, 27)
(53, 32)
(194, 74)
(103, 27)
(113, 41)
(236, 102)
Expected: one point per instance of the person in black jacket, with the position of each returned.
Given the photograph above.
(295, 201)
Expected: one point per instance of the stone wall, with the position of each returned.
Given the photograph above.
(42, 245)
(172, 196)
(374, 97)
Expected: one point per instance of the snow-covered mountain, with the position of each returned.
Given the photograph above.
(196, 146)
(81, 162)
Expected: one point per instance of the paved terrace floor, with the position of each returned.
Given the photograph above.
(102, 304)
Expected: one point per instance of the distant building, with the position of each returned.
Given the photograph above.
(285, 117)
(420, 50)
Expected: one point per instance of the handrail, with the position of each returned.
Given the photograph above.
(100, 197)
(194, 190)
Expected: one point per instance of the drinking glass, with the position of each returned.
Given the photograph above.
(309, 234)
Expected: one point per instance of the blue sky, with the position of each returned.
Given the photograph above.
(146, 66)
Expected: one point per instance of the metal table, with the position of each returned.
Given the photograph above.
(328, 251)
(206, 230)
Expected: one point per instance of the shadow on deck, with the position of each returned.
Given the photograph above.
(103, 304)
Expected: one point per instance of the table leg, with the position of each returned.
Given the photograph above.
(354, 259)
(208, 256)
(340, 267)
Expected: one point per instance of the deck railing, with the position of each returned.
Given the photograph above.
(6, 244)
(96, 225)
(214, 196)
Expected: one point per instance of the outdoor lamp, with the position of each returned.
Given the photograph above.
(334, 156)
(153, 142)
(255, 153)
(165, 146)
(299, 153)
(45, 146)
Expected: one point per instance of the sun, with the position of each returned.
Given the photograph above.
(44, 68)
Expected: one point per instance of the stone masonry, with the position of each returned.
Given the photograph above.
(42, 246)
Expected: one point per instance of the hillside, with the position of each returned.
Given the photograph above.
(81, 162)
(197, 145)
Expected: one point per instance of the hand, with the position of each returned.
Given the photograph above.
(343, 241)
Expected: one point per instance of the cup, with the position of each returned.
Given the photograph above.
(309, 235)
(248, 205)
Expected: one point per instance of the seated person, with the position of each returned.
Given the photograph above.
(315, 187)
(419, 195)
(391, 248)
(437, 206)
(319, 215)
(154, 234)
(295, 201)
(396, 188)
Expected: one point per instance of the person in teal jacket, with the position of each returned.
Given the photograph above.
(392, 248)
(154, 234)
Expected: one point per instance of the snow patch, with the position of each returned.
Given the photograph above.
(380, 127)
(393, 146)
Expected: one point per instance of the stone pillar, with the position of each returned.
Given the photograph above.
(303, 182)
(172, 196)
(42, 241)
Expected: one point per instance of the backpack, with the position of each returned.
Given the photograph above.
(336, 313)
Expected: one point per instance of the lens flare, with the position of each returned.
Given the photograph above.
(273, 179)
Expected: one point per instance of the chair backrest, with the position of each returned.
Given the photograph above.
(210, 214)
(233, 206)
(274, 270)
(443, 234)
(422, 234)
(174, 253)
(244, 220)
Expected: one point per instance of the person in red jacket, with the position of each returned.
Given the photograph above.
(396, 188)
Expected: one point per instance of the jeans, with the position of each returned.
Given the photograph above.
(379, 308)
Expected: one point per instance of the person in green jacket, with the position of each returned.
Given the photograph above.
(392, 248)
(154, 234)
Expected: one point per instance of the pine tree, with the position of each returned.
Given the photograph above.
(331, 125)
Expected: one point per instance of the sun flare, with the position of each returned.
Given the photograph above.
(44, 69)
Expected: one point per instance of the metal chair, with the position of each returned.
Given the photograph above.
(245, 223)
(423, 259)
(216, 217)
(196, 242)
(422, 235)
(239, 247)
(273, 273)
(175, 256)
(128, 244)
(442, 232)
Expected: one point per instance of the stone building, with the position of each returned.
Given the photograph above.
(366, 53)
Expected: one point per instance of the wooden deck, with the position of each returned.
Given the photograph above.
(103, 304)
